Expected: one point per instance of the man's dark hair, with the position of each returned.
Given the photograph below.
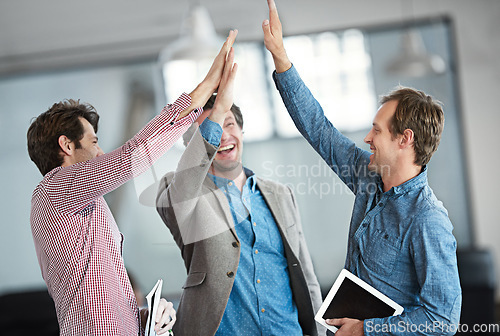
(208, 106)
(62, 118)
(235, 109)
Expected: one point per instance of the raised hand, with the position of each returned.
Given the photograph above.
(214, 75)
(209, 85)
(273, 38)
(224, 99)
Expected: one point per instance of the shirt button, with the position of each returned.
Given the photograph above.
(171, 123)
(365, 225)
(381, 204)
(230, 184)
(254, 224)
(262, 310)
(230, 274)
(258, 280)
(256, 251)
(195, 110)
(235, 244)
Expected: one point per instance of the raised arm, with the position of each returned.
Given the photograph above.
(85, 181)
(190, 174)
(273, 39)
(180, 192)
(339, 152)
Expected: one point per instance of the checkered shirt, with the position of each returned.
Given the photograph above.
(77, 241)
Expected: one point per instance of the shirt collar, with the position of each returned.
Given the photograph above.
(222, 182)
(251, 179)
(416, 182)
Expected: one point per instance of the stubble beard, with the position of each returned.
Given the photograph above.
(229, 169)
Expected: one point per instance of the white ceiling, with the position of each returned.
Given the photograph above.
(38, 35)
(41, 35)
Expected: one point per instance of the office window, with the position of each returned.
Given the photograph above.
(335, 66)
(337, 69)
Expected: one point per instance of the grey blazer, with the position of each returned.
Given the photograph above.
(199, 218)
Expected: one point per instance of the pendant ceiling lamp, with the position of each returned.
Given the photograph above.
(187, 59)
(198, 39)
(413, 59)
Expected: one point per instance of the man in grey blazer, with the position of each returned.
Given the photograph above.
(249, 271)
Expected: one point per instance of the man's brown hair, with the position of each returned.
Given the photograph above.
(234, 108)
(420, 113)
(62, 118)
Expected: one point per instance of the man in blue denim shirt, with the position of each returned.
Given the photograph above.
(400, 237)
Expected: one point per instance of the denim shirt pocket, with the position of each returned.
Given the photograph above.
(380, 251)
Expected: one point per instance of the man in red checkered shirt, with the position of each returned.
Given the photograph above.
(78, 244)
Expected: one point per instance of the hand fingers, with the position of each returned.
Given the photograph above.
(230, 58)
(334, 322)
(161, 329)
(226, 84)
(229, 64)
(232, 76)
(214, 74)
(166, 316)
(228, 74)
(272, 7)
(272, 27)
(273, 12)
(165, 309)
(229, 41)
(266, 28)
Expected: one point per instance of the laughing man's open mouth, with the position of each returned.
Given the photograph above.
(225, 148)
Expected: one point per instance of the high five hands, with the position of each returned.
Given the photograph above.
(273, 39)
(212, 81)
(224, 99)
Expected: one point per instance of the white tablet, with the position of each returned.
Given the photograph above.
(352, 297)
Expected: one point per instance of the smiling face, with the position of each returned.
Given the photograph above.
(383, 145)
(228, 157)
(89, 147)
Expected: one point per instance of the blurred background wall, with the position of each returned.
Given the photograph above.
(105, 53)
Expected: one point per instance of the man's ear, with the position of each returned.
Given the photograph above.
(407, 139)
(66, 145)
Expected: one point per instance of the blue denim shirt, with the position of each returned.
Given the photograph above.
(261, 301)
(400, 241)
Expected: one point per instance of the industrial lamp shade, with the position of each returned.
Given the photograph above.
(186, 60)
(198, 39)
(413, 59)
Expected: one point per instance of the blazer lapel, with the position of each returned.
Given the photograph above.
(273, 203)
(224, 204)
